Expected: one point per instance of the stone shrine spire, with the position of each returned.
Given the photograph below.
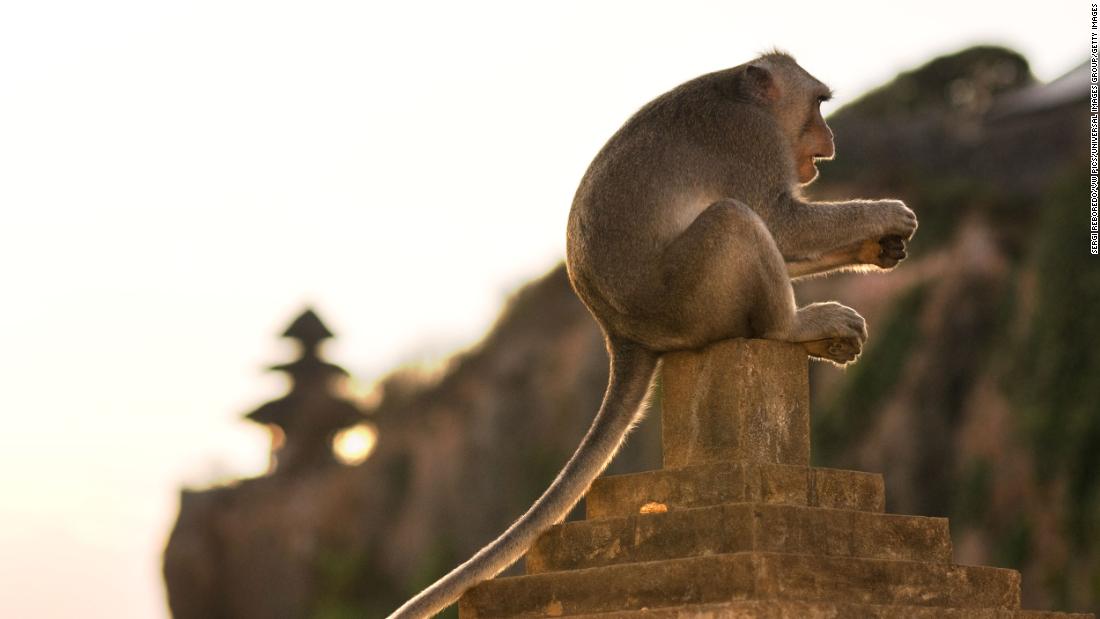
(305, 420)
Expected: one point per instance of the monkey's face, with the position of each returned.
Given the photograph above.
(814, 141)
(794, 98)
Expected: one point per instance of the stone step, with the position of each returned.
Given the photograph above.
(737, 527)
(743, 576)
(783, 609)
(734, 482)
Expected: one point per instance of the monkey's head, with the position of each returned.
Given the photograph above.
(794, 97)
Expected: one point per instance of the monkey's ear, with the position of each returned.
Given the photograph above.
(758, 84)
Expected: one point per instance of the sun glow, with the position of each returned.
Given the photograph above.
(354, 445)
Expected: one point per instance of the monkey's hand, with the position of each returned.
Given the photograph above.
(885, 253)
(895, 219)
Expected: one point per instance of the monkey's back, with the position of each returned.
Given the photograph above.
(688, 148)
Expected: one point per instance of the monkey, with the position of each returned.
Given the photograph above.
(687, 229)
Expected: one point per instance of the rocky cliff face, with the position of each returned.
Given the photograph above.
(976, 397)
(458, 458)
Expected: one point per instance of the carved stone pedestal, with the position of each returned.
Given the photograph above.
(738, 525)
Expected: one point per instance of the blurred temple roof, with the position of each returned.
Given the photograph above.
(1070, 88)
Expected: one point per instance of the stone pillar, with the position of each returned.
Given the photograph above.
(738, 525)
(736, 400)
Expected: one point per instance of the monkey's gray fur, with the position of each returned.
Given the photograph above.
(687, 229)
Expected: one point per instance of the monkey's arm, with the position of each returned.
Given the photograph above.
(831, 234)
(884, 253)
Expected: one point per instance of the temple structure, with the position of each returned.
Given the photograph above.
(737, 524)
(304, 422)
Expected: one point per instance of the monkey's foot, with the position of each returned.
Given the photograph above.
(828, 320)
(839, 351)
(885, 252)
(830, 331)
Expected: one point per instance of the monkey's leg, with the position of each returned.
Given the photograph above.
(884, 253)
(830, 261)
(724, 277)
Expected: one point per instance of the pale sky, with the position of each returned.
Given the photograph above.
(177, 179)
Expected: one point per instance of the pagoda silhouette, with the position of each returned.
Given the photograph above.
(304, 422)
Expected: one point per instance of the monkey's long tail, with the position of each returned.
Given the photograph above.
(632, 368)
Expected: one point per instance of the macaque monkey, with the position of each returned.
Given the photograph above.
(687, 229)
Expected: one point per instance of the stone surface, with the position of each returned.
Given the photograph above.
(735, 482)
(737, 525)
(741, 400)
(784, 609)
(740, 527)
(743, 576)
